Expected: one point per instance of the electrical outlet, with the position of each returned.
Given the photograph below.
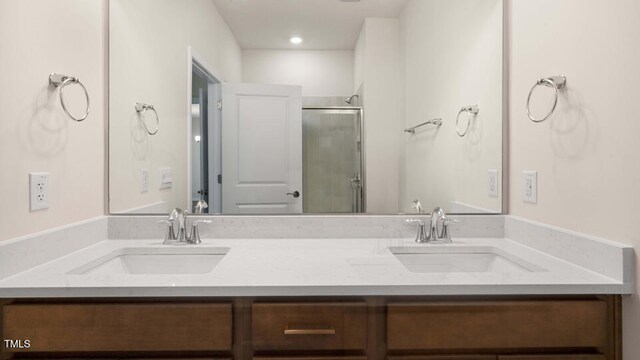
(144, 180)
(38, 191)
(493, 183)
(530, 186)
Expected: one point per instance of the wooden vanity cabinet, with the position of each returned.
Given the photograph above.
(367, 328)
(518, 329)
(552, 357)
(497, 325)
(99, 327)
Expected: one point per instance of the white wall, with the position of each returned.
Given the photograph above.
(587, 154)
(37, 38)
(319, 72)
(378, 64)
(450, 63)
(358, 60)
(148, 63)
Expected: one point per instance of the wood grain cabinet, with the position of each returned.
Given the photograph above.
(367, 328)
(119, 327)
(497, 325)
(553, 357)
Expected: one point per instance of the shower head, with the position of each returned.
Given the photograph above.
(349, 100)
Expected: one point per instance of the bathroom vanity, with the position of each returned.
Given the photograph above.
(529, 327)
(494, 295)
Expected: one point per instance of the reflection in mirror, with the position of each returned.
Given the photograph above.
(306, 107)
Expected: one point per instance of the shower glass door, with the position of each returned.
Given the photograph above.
(332, 160)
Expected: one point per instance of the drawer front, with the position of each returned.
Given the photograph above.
(444, 357)
(497, 325)
(309, 326)
(309, 358)
(119, 327)
(552, 357)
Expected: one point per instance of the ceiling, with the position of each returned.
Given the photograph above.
(323, 24)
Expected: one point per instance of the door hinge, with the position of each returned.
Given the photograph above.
(219, 104)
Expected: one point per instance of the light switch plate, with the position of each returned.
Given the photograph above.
(493, 183)
(38, 191)
(530, 187)
(144, 180)
(166, 178)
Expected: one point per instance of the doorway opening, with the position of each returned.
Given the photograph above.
(204, 137)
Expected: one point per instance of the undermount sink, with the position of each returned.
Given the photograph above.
(451, 259)
(150, 261)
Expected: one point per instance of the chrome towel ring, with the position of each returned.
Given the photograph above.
(61, 81)
(557, 83)
(470, 110)
(142, 109)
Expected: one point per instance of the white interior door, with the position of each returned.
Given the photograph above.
(261, 149)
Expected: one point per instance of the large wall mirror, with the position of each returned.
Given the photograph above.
(305, 107)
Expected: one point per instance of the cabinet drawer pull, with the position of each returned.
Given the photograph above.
(329, 330)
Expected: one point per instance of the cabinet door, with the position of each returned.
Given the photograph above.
(553, 357)
(513, 325)
(119, 327)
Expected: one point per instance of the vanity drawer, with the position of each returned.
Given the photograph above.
(552, 357)
(443, 357)
(309, 326)
(119, 327)
(497, 325)
(309, 358)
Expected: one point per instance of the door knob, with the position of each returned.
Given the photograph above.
(295, 194)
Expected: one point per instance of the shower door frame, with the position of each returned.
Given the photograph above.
(363, 164)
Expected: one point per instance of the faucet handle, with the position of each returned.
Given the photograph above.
(420, 236)
(170, 235)
(445, 235)
(195, 233)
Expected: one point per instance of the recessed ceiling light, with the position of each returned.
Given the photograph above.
(296, 40)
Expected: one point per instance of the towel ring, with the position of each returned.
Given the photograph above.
(470, 110)
(142, 109)
(61, 81)
(557, 83)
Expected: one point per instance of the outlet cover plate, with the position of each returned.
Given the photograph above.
(38, 191)
(144, 180)
(530, 187)
(493, 183)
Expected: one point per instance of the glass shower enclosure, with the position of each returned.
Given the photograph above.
(332, 160)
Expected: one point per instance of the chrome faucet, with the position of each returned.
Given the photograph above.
(177, 229)
(433, 236)
(180, 216)
(200, 206)
(436, 216)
